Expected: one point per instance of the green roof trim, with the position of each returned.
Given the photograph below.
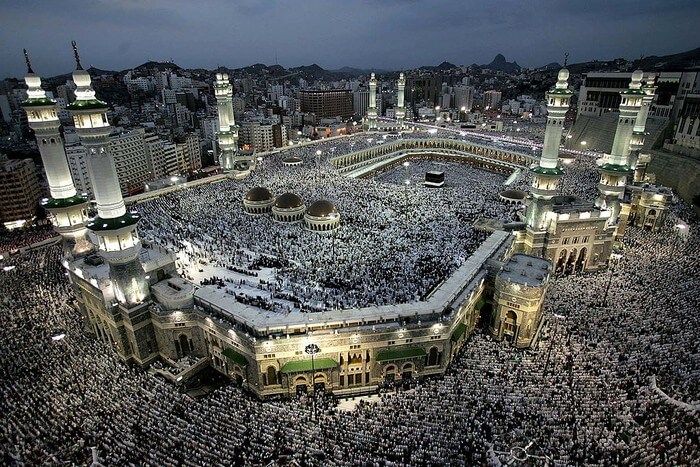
(305, 365)
(480, 303)
(458, 332)
(54, 203)
(400, 354)
(235, 357)
(86, 105)
(615, 167)
(38, 102)
(547, 171)
(99, 224)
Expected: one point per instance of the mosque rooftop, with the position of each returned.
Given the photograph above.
(531, 271)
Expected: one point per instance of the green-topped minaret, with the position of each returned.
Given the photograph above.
(67, 209)
(614, 172)
(546, 175)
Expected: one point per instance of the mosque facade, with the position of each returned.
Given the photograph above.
(134, 300)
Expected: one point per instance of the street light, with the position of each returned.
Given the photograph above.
(318, 158)
(313, 349)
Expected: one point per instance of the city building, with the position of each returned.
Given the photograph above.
(492, 99)
(327, 103)
(19, 191)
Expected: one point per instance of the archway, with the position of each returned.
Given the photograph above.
(433, 356)
(271, 375)
(581, 261)
(650, 219)
(509, 325)
(300, 385)
(184, 344)
(560, 262)
(569, 268)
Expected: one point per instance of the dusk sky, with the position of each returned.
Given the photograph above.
(383, 34)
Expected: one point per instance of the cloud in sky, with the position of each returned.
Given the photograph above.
(387, 34)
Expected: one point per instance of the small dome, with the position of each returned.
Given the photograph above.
(321, 208)
(288, 201)
(637, 76)
(563, 74)
(258, 193)
(292, 160)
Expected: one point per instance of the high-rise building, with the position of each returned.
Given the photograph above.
(19, 190)
(492, 99)
(130, 160)
(327, 103)
(424, 89)
(155, 156)
(360, 102)
(464, 98)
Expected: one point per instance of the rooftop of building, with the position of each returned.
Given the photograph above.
(528, 270)
(565, 204)
(450, 293)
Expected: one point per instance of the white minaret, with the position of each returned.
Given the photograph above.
(372, 109)
(547, 173)
(115, 229)
(67, 209)
(639, 133)
(400, 110)
(614, 172)
(228, 132)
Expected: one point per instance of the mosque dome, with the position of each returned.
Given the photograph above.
(321, 208)
(258, 193)
(288, 201)
(637, 75)
(563, 74)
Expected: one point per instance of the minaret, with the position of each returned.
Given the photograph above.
(547, 173)
(67, 209)
(614, 172)
(372, 109)
(115, 229)
(400, 110)
(639, 133)
(228, 132)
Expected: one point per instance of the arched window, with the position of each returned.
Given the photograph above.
(433, 356)
(271, 375)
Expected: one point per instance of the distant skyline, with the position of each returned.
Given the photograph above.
(382, 34)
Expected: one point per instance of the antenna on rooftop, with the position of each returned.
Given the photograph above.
(566, 59)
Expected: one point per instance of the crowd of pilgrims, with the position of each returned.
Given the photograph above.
(609, 383)
(26, 236)
(395, 244)
(584, 396)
